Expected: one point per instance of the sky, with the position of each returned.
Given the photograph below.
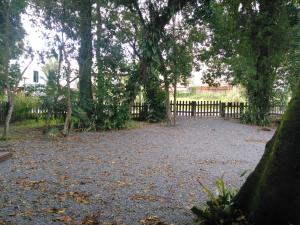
(35, 39)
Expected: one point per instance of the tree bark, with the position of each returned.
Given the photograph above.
(85, 56)
(175, 102)
(67, 125)
(9, 113)
(167, 102)
(271, 194)
(6, 72)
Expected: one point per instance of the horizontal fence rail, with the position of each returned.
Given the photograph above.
(141, 110)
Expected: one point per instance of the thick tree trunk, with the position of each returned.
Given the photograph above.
(271, 194)
(85, 56)
(100, 91)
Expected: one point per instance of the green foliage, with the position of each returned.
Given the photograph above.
(35, 123)
(255, 116)
(81, 121)
(53, 95)
(54, 132)
(155, 99)
(24, 105)
(219, 209)
(249, 40)
(235, 95)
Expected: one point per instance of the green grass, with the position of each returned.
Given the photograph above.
(232, 96)
(35, 124)
(133, 124)
(28, 128)
(32, 128)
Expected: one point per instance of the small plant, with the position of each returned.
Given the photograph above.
(54, 132)
(219, 209)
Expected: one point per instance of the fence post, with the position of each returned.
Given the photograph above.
(222, 109)
(193, 108)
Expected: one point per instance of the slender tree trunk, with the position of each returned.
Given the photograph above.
(85, 56)
(9, 113)
(175, 103)
(271, 194)
(67, 125)
(48, 117)
(167, 102)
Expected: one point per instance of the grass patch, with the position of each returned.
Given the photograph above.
(35, 124)
(133, 124)
(232, 96)
(29, 128)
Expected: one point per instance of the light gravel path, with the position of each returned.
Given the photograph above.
(125, 176)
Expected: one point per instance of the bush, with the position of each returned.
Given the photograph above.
(254, 116)
(81, 120)
(219, 209)
(24, 105)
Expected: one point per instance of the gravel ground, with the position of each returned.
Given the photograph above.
(123, 177)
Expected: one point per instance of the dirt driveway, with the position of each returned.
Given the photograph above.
(124, 177)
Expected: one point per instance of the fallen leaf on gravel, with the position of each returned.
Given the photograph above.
(90, 220)
(152, 220)
(65, 219)
(29, 185)
(80, 197)
(55, 210)
(150, 198)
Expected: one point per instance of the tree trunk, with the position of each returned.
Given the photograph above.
(271, 194)
(85, 56)
(167, 102)
(175, 103)
(9, 113)
(101, 89)
(67, 124)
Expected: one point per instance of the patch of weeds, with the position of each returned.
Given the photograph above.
(34, 124)
(54, 132)
(219, 209)
(133, 124)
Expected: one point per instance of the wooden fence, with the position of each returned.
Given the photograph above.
(184, 108)
(204, 109)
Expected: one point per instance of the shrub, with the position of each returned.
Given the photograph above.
(253, 116)
(24, 105)
(81, 120)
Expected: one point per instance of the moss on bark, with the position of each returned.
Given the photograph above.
(271, 194)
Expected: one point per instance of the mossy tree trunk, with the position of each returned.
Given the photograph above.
(85, 56)
(271, 194)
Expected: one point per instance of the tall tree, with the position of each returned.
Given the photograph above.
(249, 39)
(271, 194)
(59, 16)
(85, 55)
(153, 16)
(11, 47)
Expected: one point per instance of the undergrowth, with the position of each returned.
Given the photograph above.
(219, 209)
